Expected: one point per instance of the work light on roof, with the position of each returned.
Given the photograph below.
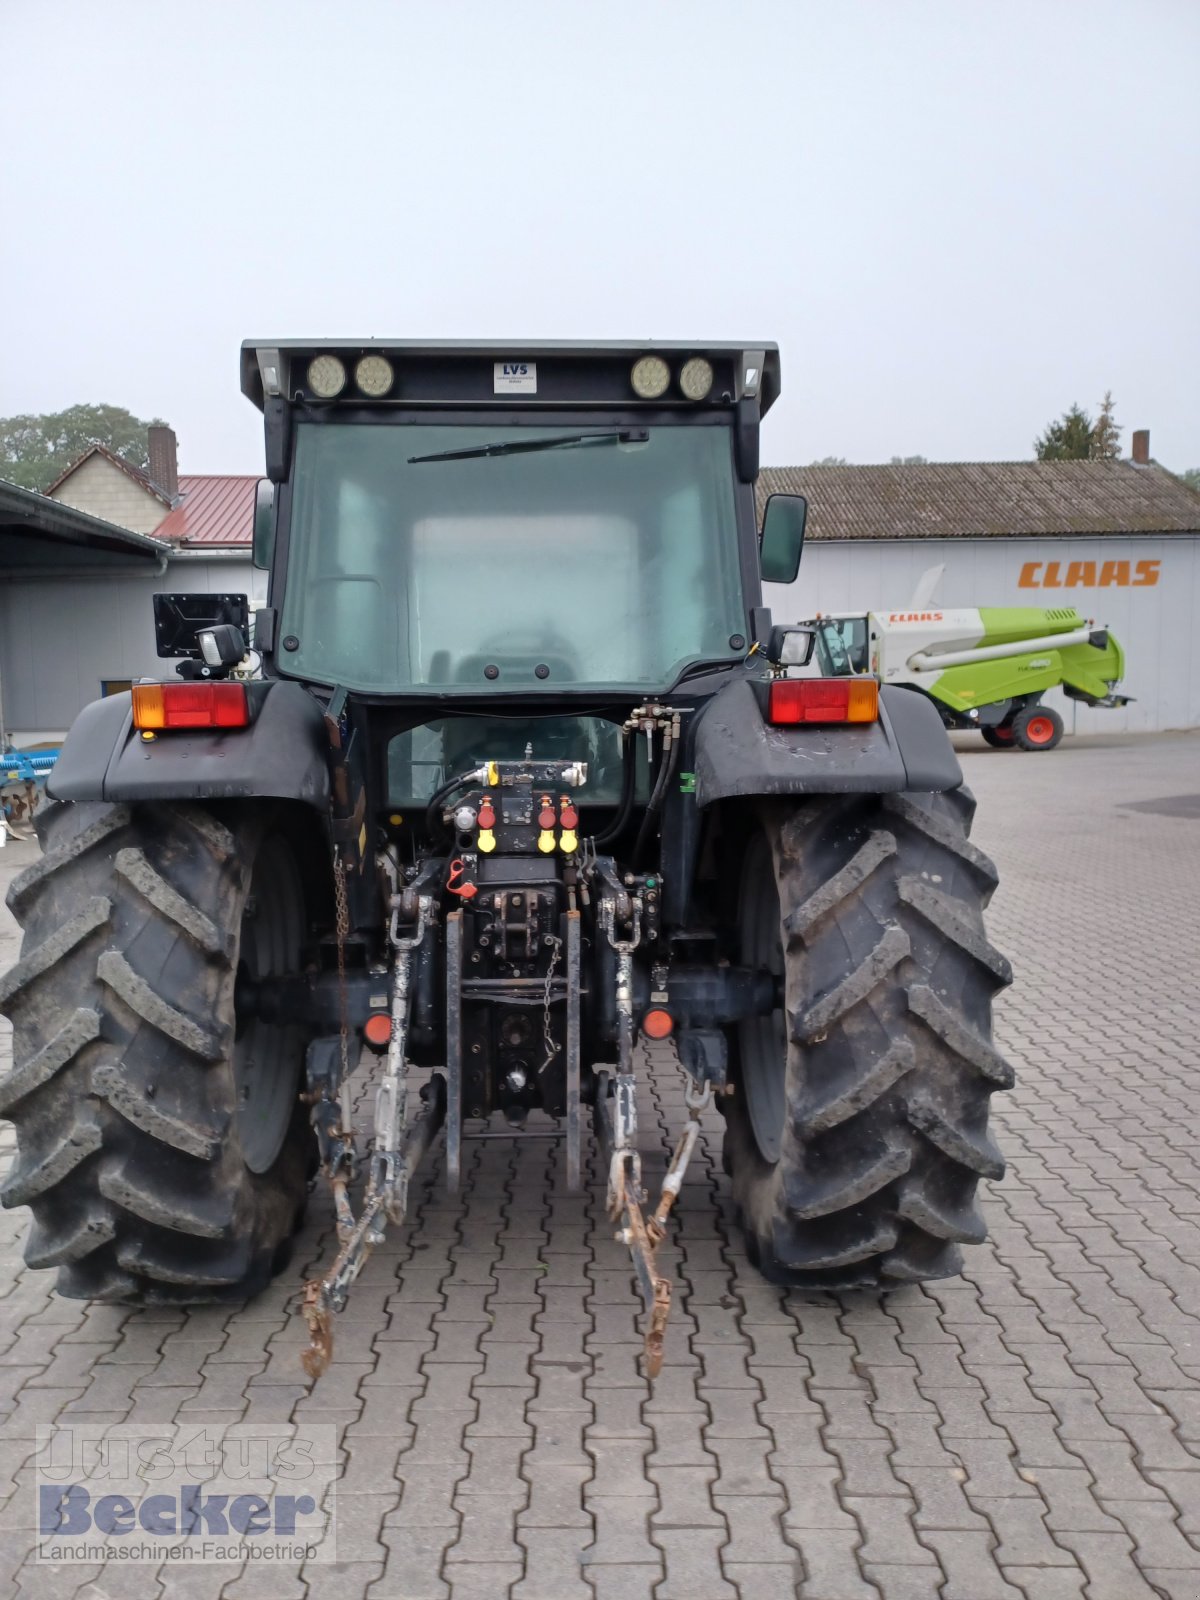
(374, 376)
(696, 378)
(326, 376)
(651, 377)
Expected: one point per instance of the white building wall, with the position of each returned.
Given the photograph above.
(61, 637)
(104, 491)
(1154, 615)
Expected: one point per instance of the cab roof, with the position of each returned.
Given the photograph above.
(471, 372)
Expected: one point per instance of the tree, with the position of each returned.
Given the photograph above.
(1068, 439)
(35, 449)
(909, 461)
(1106, 435)
(1191, 477)
(829, 461)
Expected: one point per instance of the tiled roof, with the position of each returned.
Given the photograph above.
(211, 511)
(136, 473)
(987, 499)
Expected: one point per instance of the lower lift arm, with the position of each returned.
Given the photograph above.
(397, 1151)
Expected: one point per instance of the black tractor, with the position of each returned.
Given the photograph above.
(510, 775)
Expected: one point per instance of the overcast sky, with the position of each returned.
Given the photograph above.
(955, 218)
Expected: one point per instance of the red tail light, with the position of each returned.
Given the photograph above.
(190, 705)
(658, 1024)
(377, 1030)
(796, 700)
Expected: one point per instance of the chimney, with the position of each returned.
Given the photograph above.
(1141, 448)
(164, 468)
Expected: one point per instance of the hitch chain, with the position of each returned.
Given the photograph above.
(386, 1197)
(643, 1235)
(547, 1029)
(618, 1128)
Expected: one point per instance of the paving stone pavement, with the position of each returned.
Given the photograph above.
(1029, 1429)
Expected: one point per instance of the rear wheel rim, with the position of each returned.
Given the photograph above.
(762, 1041)
(265, 1054)
(1039, 730)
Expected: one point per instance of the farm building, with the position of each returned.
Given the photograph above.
(1117, 540)
(78, 567)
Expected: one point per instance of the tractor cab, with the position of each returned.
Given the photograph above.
(843, 645)
(539, 522)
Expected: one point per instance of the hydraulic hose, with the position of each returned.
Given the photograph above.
(666, 767)
(620, 820)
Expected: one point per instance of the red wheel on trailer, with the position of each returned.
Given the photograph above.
(1001, 737)
(1037, 728)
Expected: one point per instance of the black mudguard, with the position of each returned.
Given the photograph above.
(280, 755)
(737, 753)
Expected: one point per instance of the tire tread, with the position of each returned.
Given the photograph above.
(889, 977)
(121, 1090)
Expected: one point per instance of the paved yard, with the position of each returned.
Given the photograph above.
(1030, 1429)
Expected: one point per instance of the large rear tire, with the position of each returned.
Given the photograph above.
(857, 1128)
(162, 1147)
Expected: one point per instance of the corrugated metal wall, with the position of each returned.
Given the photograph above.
(1155, 621)
(60, 638)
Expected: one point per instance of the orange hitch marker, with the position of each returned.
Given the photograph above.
(456, 884)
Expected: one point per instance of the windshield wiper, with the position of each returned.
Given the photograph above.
(520, 447)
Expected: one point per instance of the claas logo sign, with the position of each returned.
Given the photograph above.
(1089, 575)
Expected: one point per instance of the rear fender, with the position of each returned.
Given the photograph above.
(280, 755)
(737, 754)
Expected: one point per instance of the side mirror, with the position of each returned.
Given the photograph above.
(782, 537)
(264, 523)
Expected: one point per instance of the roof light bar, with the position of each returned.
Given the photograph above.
(326, 376)
(696, 378)
(651, 377)
(374, 376)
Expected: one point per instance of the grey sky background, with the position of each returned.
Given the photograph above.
(955, 218)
